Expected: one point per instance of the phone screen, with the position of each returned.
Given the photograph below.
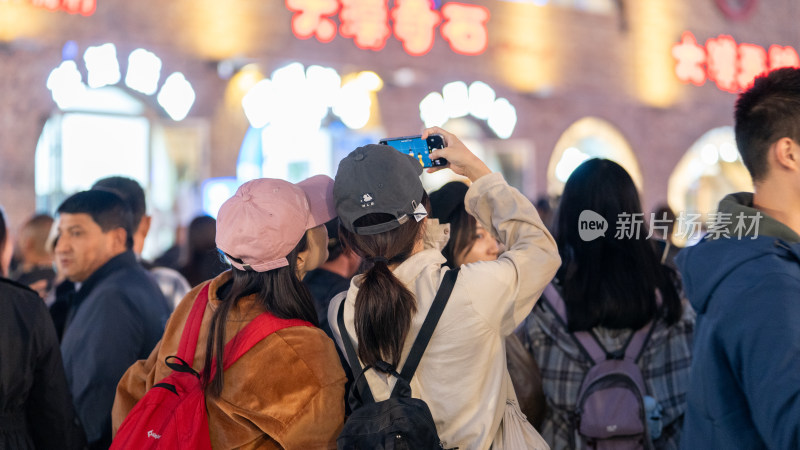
(417, 148)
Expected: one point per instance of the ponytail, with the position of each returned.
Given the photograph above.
(384, 306)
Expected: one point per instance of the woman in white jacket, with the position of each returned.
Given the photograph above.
(462, 376)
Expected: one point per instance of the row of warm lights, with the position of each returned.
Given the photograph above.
(295, 95)
(478, 100)
(144, 72)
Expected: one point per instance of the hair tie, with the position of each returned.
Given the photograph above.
(376, 259)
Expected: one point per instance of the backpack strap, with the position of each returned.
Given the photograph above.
(638, 341)
(553, 298)
(417, 349)
(255, 331)
(589, 345)
(426, 331)
(589, 342)
(191, 330)
(360, 383)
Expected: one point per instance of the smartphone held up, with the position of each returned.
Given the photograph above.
(418, 148)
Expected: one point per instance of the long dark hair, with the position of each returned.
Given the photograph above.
(277, 291)
(448, 206)
(384, 306)
(463, 229)
(610, 281)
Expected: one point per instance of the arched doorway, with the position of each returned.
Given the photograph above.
(590, 137)
(133, 126)
(710, 169)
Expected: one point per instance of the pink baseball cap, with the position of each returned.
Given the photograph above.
(267, 217)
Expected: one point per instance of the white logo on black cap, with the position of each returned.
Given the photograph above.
(367, 200)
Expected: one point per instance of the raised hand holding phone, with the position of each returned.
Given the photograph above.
(418, 148)
(460, 159)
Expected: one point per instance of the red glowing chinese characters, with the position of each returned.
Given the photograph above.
(752, 63)
(465, 28)
(52, 5)
(415, 22)
(365, 21)
(782, 57)
(82, 7)
(732, 66)
(311, 18)
(722, 54)
(690, 59)
(370, 24)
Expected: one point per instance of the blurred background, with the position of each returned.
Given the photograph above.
(193, 98)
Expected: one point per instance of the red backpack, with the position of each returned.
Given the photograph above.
(173, 415)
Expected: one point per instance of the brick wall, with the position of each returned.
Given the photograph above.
(555, 66)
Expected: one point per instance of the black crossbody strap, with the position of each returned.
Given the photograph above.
(360, 384)
(426, 331)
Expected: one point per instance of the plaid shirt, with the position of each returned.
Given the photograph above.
(664, 363)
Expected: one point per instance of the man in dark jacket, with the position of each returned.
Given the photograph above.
(117, 314)
(35, 406)
(744, 283)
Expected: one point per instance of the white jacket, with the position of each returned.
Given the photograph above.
(462, 375)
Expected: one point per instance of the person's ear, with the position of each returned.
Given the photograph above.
(302, 259)
(787, 154)
(118, 238)
(144, 226)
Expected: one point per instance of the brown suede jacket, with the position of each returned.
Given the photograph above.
(286, 392)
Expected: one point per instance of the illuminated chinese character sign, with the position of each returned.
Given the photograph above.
(415, 25)
(465, 28)
(732, 66)
(370, 23)
(312, 18)
(83, 7)
(365, 22)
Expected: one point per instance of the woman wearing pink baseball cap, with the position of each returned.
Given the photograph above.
(286, 390)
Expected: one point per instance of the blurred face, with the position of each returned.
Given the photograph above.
(484, 248)
(316, 252)
(83, 247)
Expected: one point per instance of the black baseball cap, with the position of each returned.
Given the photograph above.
(377, 178)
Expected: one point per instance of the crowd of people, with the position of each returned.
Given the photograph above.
(302, 304)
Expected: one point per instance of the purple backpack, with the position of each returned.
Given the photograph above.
(610, 411)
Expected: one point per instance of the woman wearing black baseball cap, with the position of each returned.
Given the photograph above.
(462, 376)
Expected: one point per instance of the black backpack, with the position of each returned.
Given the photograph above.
(401, 421)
